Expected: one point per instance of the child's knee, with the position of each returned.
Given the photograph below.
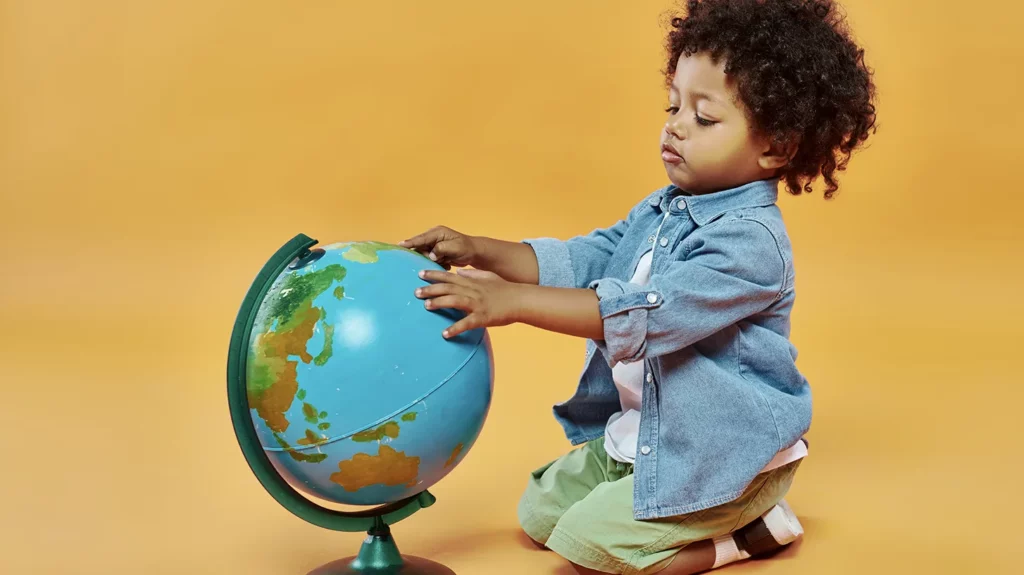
(594, 533)
(535, 518)
(583, 545)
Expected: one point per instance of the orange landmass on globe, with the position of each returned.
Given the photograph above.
(313, 439)
(454, 456)
(272, 401)
(389, 429)
(299, 455)
(389, 467)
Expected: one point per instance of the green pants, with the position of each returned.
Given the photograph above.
(581, 507)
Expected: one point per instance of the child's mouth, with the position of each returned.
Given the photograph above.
(670, 156)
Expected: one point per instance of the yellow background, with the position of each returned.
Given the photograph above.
(153, 155)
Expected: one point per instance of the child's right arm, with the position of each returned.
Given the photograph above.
(572, 263)
(513, 261)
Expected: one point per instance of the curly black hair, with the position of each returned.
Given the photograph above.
(798, 73)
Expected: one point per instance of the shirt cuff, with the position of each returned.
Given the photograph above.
(624, 309)
(555, 268)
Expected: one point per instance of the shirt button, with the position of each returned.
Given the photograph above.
(653, 298)
(681, 204)
(645, 449)
(663, 242)
(650, 378)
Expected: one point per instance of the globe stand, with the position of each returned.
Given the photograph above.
(378, 554)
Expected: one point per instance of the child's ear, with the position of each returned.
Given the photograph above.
(777, 154)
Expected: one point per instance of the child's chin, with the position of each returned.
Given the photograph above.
(679, 177)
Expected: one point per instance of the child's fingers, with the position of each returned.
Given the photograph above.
(443, 250)
(467, 323)
(447, 277)
(449, 252)
(457, 301)
(422, 241)
(435, 290)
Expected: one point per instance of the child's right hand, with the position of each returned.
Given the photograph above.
(445, 246)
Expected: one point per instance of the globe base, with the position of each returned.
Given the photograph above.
(409, 566)
(379, 555)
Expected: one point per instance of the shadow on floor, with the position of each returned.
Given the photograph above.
(502, 537)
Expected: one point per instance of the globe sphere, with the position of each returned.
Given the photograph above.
(355, 396)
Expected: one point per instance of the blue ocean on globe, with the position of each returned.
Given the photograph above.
(355, 395)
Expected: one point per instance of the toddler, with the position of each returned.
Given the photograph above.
(689, 415)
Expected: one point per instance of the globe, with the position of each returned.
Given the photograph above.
(342, 388)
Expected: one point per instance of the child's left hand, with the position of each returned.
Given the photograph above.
(488, 299)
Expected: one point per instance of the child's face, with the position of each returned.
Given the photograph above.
(708, 143)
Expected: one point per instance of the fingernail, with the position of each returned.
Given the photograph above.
(445, 333)
(423, 274)
(433, 257)
(419, 292)
(427, 304)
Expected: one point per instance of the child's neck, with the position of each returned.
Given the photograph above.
(678, 191)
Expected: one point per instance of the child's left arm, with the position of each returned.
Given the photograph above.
(732, 270)
(489, 300)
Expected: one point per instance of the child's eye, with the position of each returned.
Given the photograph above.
(672, 110)
(704, 121)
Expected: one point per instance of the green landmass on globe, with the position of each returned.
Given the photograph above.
(272, 382)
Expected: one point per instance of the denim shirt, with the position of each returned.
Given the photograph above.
(722, 394)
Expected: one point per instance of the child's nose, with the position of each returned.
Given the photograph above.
(674, 127)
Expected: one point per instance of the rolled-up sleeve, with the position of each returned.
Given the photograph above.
(732, 270)
(576, 262)
(553, 262)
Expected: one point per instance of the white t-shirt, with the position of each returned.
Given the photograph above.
(623, 427)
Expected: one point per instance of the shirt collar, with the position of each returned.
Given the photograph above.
(706, 207)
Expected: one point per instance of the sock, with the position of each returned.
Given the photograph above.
(783, 524)
(773, 530)
(726, 551)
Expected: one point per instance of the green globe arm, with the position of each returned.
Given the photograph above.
(241, 417)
